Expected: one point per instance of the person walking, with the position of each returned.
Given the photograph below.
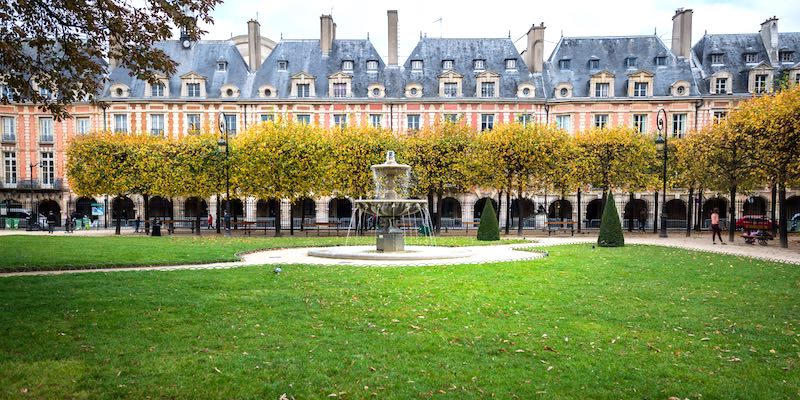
(210, 221)
(715, 230)
(51, 222)
(642, 220)
(136, 224)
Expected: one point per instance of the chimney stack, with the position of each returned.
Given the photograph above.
(534, 54)
(392, 14)
(327, 32)
(769, 35)
(254, 45)
(682, 33)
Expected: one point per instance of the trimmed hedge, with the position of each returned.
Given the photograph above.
(488, 229)
(610, 227)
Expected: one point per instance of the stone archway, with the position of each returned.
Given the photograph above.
(527, 213)
(339, 208)
(123, 207)
(83, 207)
(594, 211)
(754, 205)
(477, 209)
(675, 211)
(160, 207)
(560, 209)
(719, 203)
(48, 205)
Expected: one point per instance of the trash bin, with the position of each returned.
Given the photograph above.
(13, 223)
(156, 231)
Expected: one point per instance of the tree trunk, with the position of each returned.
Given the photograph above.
(579, 210)
(697, 221)
(784, 234)
(732, 215)
(630, 214)
(655, 213)
(118, 221)
(278, 220)
(146, 214)
(438, 222)
(689, 213)
(197, 219)
(219, 213)
(772, 214)
(430, 208)
(291, 219)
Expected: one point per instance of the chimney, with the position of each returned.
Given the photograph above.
(534, 54)
(769, 35)
(327, 31)
(254, 45)
(682, 33)
(392, 14)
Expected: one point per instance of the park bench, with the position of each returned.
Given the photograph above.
(555, 226)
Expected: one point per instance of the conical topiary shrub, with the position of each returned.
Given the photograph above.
(488, 229)
(610, 228)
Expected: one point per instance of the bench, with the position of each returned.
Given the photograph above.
(762, 237)
(559, 225)
(327, 225)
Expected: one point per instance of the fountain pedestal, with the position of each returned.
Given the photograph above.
(389, 238)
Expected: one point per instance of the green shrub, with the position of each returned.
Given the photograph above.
(610, 228)
(488, 229)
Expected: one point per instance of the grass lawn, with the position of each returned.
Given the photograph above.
(27, 253)
(609, 323)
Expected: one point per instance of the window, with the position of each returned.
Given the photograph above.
(525, 119)
(678, 125)
(372, 65)
(600, 120)
(447, 65)
(487, 89)
(416, 65)
(222, 66)
(193, 89)
(640, 122)
(750, 57)
(720, 116)
(304, 119)
(48, 168)
(594, 64)
(230, 123)
(375, 120)
(413, 122)
(45, 92)
(786, 56)
(601, 90)
(680, 90)
(661, 61)
(563, 64)
(9, 129)
(511, 63)
(267, 118)
(722, 85)
(46, 130)
(640, 89)
(450, 89)
(82, 125)
(157, 124)
(193, 123)
(487, 122)
(563, 92)
(229, 92)
(340, 120)
(120, 123)
(303, 90)
(451, 118)
(717, 58)
(376, 92)
(760, 84)
(413, 91)
(339, 90)
(157, 90)
(630, 62)
(10, 162)
(564, 122)
(526, 91)
(347, 65)
(283, 65)
(479, 64)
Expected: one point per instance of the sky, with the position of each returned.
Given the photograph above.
(495, 19)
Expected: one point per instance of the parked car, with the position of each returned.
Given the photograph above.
(754, 222)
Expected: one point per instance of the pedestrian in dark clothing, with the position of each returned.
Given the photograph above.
(715, 230)
(642, 220)
(51, 222)
(136, 224)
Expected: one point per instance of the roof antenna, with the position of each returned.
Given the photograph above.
(440, 26)
(256, 15)
(281, 35)
(655, 31)
(509, 33)
(367, 35)
(562, 33)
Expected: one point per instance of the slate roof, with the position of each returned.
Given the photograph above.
(432, 51)
(611, 53)
(201, 58)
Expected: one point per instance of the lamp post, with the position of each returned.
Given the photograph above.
(33, 215)
(661, 144)
(223, 145)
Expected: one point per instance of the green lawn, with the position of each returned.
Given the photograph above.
(26, 253)
(609, 323)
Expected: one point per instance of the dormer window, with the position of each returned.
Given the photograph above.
(347, 65)
(303, 84)
(750, 58)
(487, 89)
(630, 62)
(717, 58)
(283, 65)
(601, 84)
(157, 90)
(594, 64)
(222, 66)
(447, 65)
(450, 89)
(564, 92)
(661, 61)
(601, 89)
(786, 56)
(193, 85)
(760, 85)
(45, 92)
(229, 90)
(116, 90)
(193, 89)
(416, 65)
(372, 65)
(722, 85)
(119, 92)
(303, 90)
(479, 65)
(563, 64)
(511, 63)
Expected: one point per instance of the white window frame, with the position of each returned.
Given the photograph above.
(193, 89)
(479, 64)
(267, 118)
(487, 122)
(157, 124)
(760, 83)
(303, 90)
(304, 119)
(600, 120)
(191, 126)
(339, 89)
(630, 62)
(448, 65)
(594, 64)
(599, 89)
(721, 83)
(417, 65)
(46, 131)
(718, 59)
(157, 90)
(564, 64)
(48, 167)
(10, 167)
(372, 65)
(340, 120)
(230, 123)
(564, 122)
(375, 120)
(511, 63)
(679, 124)
(347, 65)
(487, 89)
(450, 89)
(640, 89)
(9, 127)
(525, 119)
(450, 117)
(719, 115)
(661, 61)
(121, 127)
(750, 58)
(412, 121)
(83, 125)
(283, 65)
(640, 122)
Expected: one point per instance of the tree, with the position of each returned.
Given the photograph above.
(61, 45)
(488, 229)
(691, 169)
(610, 228)
(353, 150)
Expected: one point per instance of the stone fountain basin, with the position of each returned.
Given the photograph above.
(410, 253)
(390, 207)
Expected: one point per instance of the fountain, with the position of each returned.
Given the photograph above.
(390, 206)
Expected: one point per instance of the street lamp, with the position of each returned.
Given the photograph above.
(33, 216)
(222, 143)
(661, 145)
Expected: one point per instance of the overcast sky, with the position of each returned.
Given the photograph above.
(497, 18)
